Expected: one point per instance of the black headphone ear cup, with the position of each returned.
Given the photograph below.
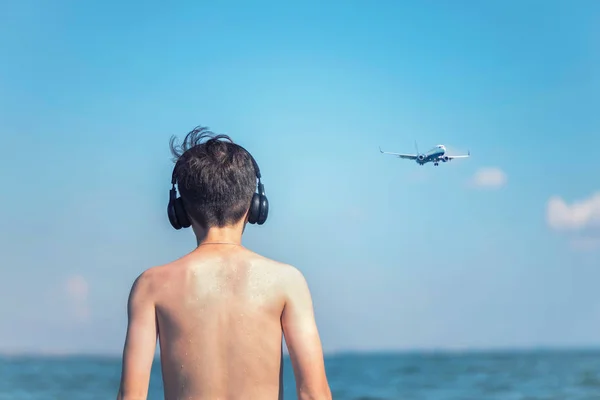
(254, 211)
(181, 214)
(172, 215)
(264, 210)
(171, 212)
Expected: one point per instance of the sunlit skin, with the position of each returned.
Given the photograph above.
(219, 313)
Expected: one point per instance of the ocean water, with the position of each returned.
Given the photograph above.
(471, 376)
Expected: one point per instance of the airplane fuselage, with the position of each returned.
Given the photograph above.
(434, 155)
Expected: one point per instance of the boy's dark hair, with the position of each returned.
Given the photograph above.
(216, 179)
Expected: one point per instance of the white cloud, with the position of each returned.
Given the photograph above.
(77, 289)
(580, 215)
(492, 178)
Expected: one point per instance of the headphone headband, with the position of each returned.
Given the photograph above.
(173, 177)
(254, 163)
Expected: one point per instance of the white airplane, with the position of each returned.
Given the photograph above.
(435, 155)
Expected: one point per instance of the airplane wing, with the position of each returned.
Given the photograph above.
(406, 156)
(465, 156)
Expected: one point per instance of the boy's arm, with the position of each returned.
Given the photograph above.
(303, 342)
(140, 342)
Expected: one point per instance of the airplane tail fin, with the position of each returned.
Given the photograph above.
(417, 148)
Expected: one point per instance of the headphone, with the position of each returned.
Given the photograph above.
(259, 206)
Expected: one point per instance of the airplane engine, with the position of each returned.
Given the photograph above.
(445, 158)
(421, 157)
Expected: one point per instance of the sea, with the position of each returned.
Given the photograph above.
(518, 375)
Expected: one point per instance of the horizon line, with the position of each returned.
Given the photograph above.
(332, 353)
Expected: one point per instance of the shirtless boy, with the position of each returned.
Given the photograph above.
(219, 312)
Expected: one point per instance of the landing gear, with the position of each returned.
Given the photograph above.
(436, 164)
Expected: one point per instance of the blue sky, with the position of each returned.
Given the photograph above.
(480, 253)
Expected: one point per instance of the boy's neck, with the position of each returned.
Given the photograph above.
(225, 235)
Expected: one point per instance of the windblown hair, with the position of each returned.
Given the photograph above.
(216, 178)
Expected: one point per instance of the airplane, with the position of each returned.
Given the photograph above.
(435, 155)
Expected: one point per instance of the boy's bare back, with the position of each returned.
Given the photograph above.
(219, 313)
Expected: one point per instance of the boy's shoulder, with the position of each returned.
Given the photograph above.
(286, 269)
(290, 282)
(151, 278)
